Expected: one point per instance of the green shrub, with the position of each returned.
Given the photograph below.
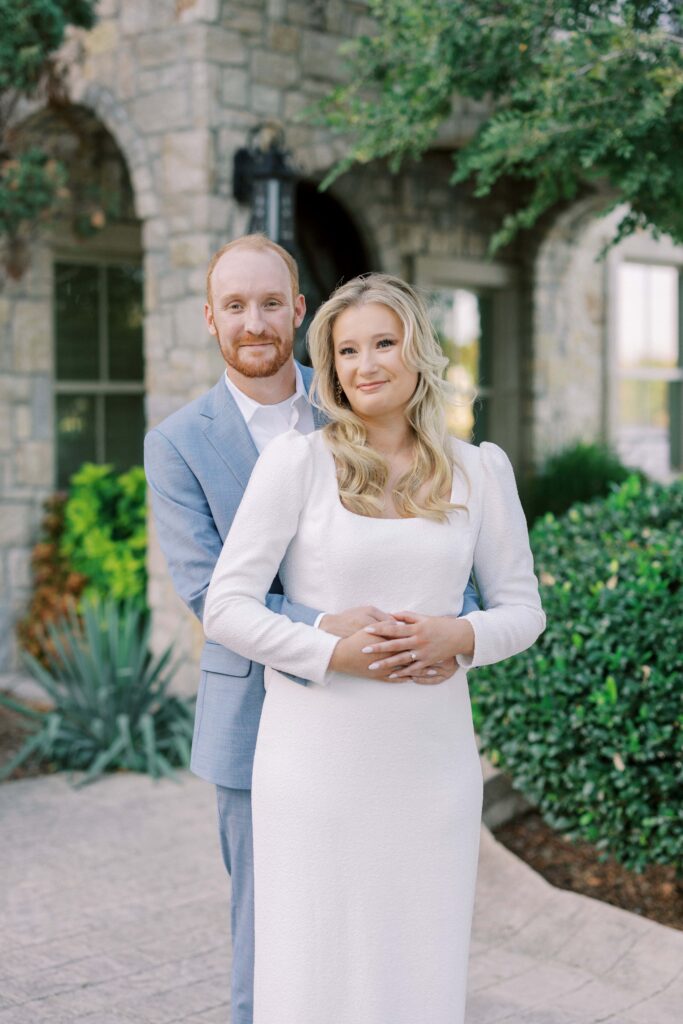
(589, 720)
(578, 473)
(110, 705)
(105, 533)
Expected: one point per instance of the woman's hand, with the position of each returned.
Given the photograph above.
(411, 644)
(351, 657)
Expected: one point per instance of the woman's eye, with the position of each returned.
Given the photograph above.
(347, 350)
(386, 343)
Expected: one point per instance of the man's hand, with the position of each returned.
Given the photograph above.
(351, 657)
(350, 621)
(411, 644)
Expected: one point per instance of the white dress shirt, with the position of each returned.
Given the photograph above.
(264, 422)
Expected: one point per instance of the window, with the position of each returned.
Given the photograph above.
(463, 321)
(99, 389)
(649, 424)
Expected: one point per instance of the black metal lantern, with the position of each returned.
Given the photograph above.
(263, 177)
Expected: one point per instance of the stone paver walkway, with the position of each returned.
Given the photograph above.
(114, 910)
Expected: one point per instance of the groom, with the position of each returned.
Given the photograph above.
(198, 462)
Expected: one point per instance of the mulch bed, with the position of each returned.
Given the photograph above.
(576, 866)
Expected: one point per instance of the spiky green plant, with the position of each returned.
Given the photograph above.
(109, 694)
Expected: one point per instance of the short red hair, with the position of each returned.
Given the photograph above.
(258, 243)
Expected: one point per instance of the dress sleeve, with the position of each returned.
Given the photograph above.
(512, 617)
(235, 613)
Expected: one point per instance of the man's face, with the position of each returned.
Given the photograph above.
(253, 313)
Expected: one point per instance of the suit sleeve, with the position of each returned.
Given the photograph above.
(470, 600)
(186, 530)
(185, 527)
(235, 612)
(512, 617)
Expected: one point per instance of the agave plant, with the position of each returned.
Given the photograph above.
(110, 706)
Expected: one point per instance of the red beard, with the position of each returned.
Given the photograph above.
(262, 363)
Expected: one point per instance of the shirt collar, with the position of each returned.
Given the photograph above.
(248, 407)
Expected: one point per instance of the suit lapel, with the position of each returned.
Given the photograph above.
(228, 433)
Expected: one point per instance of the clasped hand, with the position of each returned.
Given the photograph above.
(410, 646)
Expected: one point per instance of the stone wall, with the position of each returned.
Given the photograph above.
(26, 429)
(574, 365)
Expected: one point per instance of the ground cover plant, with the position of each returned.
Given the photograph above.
(589, 721)
(108, 705)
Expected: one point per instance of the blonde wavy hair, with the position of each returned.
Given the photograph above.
(362, 472)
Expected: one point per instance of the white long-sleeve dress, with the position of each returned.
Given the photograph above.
(366, 795)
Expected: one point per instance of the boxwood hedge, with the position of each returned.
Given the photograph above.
(589, 720)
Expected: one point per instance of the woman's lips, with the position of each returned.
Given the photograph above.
(371, 387)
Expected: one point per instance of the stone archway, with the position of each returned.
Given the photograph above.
(96, 224)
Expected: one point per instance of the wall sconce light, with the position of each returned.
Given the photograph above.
(263, 178)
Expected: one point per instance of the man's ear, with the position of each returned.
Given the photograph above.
(208, 316)
(299, 310)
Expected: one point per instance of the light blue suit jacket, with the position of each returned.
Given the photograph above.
(198, 462)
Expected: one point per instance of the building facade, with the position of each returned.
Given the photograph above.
(104, 335)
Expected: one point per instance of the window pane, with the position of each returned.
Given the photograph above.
(648, 395)
(124, 429)
(647, 317)
(124, 318)
(76, 434)
(463, 323)
(77, 327)
(644, 430)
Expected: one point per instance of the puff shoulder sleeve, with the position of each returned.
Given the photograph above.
(235, 613)
(512, 617)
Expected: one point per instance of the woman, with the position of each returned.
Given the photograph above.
(367, 794)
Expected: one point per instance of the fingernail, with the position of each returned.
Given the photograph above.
(375, 664)
(367, 650)
(394, 675)
(369, 629)
(432, 672)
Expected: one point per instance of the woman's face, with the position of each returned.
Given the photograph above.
(368, 346)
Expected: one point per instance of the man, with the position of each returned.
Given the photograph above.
(198, 462)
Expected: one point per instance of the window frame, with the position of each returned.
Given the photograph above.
(646, 251)
(102, 388)
(498, 282)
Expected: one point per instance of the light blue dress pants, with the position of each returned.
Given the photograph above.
(235, 830)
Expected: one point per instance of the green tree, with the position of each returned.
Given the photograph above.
(581, 94)
(31, 180)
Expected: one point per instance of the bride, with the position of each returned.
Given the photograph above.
(366, 793)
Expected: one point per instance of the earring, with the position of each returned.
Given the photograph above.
(338, 392)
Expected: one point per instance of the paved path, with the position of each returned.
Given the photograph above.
(115, 911)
